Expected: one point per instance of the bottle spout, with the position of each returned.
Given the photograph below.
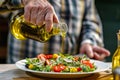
(62, 26)
(119, 32)
(118, 35)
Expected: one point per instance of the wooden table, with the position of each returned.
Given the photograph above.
(11, 72)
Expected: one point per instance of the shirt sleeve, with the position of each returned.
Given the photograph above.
(92, 27)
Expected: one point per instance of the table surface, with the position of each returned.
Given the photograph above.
(11, 72)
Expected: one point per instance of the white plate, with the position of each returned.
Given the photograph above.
(101, 66)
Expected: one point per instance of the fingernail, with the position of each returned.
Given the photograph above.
(91, 55)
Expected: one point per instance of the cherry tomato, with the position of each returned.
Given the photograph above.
(79, 69)
(73, 69)
(55, 56)
(49, 56)
(62, 67)
(57, 69)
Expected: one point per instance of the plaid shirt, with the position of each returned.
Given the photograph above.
(84, 26)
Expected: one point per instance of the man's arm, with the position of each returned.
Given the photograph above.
(92, 39)
(92, 27)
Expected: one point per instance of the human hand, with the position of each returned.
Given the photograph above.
(39, 12)
(94, 52)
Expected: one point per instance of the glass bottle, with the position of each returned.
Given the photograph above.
(116, 58)
(23, 30)
(116, 73)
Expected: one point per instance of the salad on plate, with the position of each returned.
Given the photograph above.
(62, 63)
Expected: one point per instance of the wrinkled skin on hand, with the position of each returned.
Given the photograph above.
(95, 52)
(39, 12)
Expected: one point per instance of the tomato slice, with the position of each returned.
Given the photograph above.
(57, 69)
(62, 67)
(88, 63)
(85, 61)
(91, 65)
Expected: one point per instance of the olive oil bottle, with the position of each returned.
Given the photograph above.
(116, 55)
(23, 30)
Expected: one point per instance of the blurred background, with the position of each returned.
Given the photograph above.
(109, 11)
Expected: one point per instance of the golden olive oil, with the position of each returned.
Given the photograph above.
(22, 30)
(63, 42)
(116, 56)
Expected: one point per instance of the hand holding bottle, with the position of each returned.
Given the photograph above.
(39, 12)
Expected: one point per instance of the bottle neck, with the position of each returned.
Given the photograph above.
(118, 37)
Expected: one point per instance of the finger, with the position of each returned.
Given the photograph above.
(27, 14)
(49, 18)
(87, 49)
(41, 18)
(33, 15)
(89, 52)
(55, 19)
(48, 21)
(97, 56)
(101, 50)
(41, 13)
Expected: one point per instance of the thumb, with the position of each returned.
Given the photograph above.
(87, 49)
(55, 18)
